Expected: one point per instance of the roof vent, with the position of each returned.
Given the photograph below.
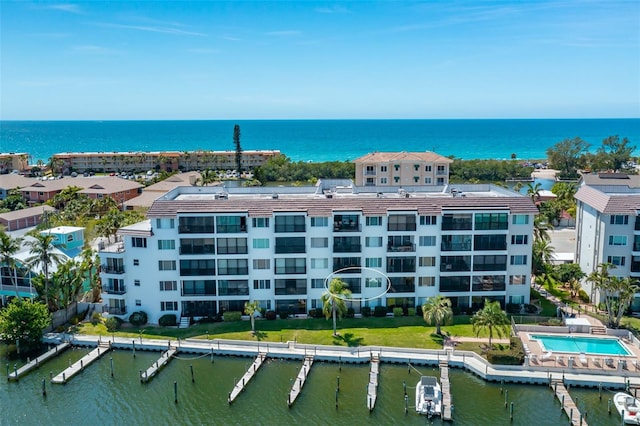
(274, 196)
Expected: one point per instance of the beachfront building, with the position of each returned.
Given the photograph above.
(608, 227)
(10, 161)
(139, 161)
(206, 250)
(402, 169)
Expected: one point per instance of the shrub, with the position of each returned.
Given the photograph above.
(315, 313)
(366, 311)
(380, 311)
(419, 310)
(112, 324)
(398, 312)
(531, 309)
(232, 316)
(583, 296)
(96, 318)
(168, 320)
(411, 312)
(284, 314)
(350, 313)
(514, 356)
(74, 320)
(513, 308)
(138, 318)
(270, 315)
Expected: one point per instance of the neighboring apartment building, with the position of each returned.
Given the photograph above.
(10, 161)
(402, 169)
(608, 227)
(41, 190)
(206, 250)
(80, 162)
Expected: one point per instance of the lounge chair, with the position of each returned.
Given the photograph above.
(583, 359)
(547, 356)
(534, 358)
(609, 362)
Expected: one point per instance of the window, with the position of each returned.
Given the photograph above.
(427, 241)
(261, 284)
(196, 225)
(427, 169)
(139, 242)
(260, 243)
(194, 267)
(373, 262)
(490, 242)
(401, 222)
(373, 282)
(168, 285)
(168, 306)
(416, 167)
(233, 288)
(166, 244)
(517, 279)
(456, 243)
(293, 223)
(401, 264)
(261, 264)
(416, 179)
(373, 241)
(488, 283)
(619, 220)
(428, 220)
(520, 219)
(317, 283)
(322, 263)
(197, 246)
(457, 222)
(427, 181)
(616, 260)
(290, 286)
(318, 222)
(291, 266)
(138, 302)
(260, 222)
(383, 180)
(165, 223)
(487, 221)
(519, 239)
(520, 259)
(233, 266)
(69, 238)
(136, 283)
(231, 224)
(441, 170)
(396, 179)
(319, 242)
(166, 265)
(383, 168)
(199, 288)
(396, 167)
(617, 240)
(490, 262)
(136, 262)
(455, 283)
(373, 220)
(455, 263)
(291, 245)
(426, 281)
(427, 261)
(232, 246)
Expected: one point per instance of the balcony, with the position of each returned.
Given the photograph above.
(204, 249)
(195, 229)
(112, 269)
(119, 310)
(369, 172)
(401, 248)
(118, 290)
(339, 226)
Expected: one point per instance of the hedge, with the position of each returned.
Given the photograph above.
(168, 320)
(138, 318)
(232, 316)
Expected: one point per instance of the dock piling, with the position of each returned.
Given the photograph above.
(506, 397)
(511, 412)
(193, 380)
(175, 392)
(111, 362)
(44, 387)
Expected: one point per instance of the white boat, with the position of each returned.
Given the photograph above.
(628, 407)
(428, 396)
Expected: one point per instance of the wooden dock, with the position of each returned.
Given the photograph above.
(80, 365)
(445, 386)
(242, 383)
(372, 387)
(157, 366)
(35, 363)
(569, 406)
(300, 380)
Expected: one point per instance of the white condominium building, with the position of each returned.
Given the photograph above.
(207, 250)
(608, 227)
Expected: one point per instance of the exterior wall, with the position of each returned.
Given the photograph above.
(141, 275)
(401, 173)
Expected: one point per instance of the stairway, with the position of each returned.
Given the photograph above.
(185, 322)
(598, 329)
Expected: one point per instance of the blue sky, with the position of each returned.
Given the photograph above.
(296, 60)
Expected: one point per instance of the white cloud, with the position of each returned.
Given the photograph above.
(65, 7)
(332, 9)
(284, 33)
(153, 29)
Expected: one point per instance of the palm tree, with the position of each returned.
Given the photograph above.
(333, 300)
(206, 177)
(491, 317)
(88, 266)
(250, 308)
(8, 248)
(541, 228)
(533, 191)
(42, 254)
(542, 254)
(437, 310)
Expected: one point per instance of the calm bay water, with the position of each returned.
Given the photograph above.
(314, 140)
(95, 397)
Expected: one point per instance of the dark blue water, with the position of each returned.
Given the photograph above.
(315, 140)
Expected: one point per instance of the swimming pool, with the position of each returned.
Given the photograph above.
(577, 344)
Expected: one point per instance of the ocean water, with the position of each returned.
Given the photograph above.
(315, 140)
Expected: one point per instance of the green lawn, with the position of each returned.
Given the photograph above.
(410, 332)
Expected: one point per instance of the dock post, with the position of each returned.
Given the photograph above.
(562, 402)
(111, 361)
(175, 392)
(64, 377)
(609, 406)
(506, 396)
(15, 371)
(338, 383)
(406, 404)
(404, 387)
(511, 412)
(50, 375)
(44, 388)
(571, 416)
(140, 373)
(336, 398)
(193, 380)
(600, 391)
(81, 365)
(211, 354)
